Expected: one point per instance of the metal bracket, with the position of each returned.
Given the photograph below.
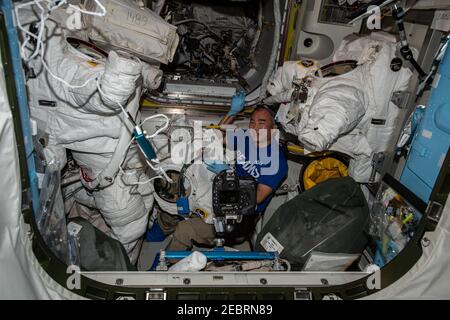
(434, 211)
(400, 98)
(377, 165)
(156, 294)
(300, 93)
(302, 294)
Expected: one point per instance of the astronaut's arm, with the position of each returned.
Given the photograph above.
(227, 120)
(262, 192)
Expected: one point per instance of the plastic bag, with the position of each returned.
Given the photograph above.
(393, 222)
(51, 219)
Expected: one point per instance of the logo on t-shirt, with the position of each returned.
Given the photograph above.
(250, 167)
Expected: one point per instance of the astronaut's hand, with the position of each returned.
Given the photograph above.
(118, 82)
(237, 103)
(216, 166)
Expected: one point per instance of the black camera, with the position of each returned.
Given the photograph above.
(233, 196)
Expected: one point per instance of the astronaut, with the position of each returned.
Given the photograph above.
(351, 112)
(267, 165)
(78, 96)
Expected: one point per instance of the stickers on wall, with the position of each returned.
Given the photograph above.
(441, 20)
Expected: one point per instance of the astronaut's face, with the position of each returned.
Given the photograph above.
(261, 124)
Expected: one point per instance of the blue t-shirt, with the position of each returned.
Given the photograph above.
(259, 163)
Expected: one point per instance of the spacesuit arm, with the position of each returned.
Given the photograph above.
(335, 111)
(117, 83)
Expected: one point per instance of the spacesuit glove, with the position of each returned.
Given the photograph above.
(216, 166)
(283, 97)
(237, 103)
(151, 75)
(118, 82)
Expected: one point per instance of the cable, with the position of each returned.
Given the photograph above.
(156, 169)
(122, 172)
(41, 27)
(127, 115)
(161, 170)
(92, 13)
(288, 264)
(163, 128)
(62, 80)
(40, 47)
(43, 18)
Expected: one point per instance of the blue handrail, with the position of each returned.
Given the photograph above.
(13, 41)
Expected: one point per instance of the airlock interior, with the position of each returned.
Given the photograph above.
(226, 46)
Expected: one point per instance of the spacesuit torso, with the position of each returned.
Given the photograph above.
(351, 112)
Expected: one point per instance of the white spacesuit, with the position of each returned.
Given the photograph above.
(351, 112)
(84, 114)
(198, 179)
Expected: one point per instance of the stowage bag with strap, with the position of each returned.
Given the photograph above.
(332, 217)
(98, 251)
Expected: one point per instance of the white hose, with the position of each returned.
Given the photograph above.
(108, 171)
(91, 13)
(105, 177)
(40, 47)
(163, 128)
